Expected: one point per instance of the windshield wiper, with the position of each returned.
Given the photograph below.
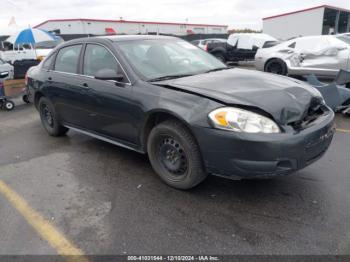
(217, 69)
(168, 77)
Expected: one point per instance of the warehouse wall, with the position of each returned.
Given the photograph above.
(293, 25)
(98, 28)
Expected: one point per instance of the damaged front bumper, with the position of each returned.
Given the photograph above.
(243, 156)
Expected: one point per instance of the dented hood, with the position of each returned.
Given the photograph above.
(287, 100)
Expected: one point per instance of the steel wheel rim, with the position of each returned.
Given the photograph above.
(47, 115)
(172, 156)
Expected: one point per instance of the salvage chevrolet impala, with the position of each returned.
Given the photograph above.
(188, 111)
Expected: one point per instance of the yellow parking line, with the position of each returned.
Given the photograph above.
(343, 130)
(42, 226)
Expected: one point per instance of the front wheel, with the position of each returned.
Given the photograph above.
(276, 66)
(49, 118)
(175, 155)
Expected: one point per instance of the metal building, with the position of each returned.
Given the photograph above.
(103, 27)
(317, 20)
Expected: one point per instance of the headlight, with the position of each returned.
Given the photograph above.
(240, 120)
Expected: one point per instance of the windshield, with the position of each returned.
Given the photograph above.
(160, 58)
(345, 39)
(1, 62)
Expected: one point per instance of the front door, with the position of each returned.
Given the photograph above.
(321, 56)
(110, 103)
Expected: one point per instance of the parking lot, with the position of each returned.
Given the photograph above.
(78, 193)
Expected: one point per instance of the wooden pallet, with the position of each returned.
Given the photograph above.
(14, 87)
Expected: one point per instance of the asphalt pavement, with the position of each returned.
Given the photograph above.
(103, 199)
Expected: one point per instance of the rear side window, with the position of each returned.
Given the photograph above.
(67, 59)
(312, 44)
(97, 58)
(292, 45)
(47, 64)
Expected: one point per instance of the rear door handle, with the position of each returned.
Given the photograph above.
(49, 78)
(85, 86)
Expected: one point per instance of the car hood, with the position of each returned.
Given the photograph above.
(287, 100)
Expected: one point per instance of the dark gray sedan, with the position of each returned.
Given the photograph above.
(188, 111)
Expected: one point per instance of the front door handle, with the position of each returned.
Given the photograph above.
(49, 78)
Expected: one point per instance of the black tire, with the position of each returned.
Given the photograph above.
(175, 155)
(49, 118)
(221, 57)
(9, 105)
(25, 99)
(276, 66)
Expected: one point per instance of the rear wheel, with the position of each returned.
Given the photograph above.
(220, 56)
(175, 156)
(276, 66)
(49, 118)
(9, 105)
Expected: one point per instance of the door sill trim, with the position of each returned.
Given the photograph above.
(105, 139)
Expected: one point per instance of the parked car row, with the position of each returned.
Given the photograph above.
(320, 55)
(240, 47)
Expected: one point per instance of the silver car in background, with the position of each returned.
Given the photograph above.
(322, 55)
(204, 42)
(6, 70)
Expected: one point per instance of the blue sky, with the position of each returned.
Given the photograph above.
(235, 13)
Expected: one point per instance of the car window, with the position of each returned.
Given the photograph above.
(67, 59)
(97, 58)
(292, 45)
(47, 63)
(345, 39)
(154, 58)
(312, 44)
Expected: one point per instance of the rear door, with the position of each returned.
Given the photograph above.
(67, 93)
(243, 49)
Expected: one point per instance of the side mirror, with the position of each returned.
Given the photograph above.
(255, 48)
(109, 74)
(4, 74)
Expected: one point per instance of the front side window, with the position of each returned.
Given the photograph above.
(67, 59)
(159, 58)
(97, 58)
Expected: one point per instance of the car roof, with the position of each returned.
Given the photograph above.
(120, 38)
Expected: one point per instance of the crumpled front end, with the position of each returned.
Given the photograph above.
(244, 156)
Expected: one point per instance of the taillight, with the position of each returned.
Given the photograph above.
(26, 79)
(206, 47)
